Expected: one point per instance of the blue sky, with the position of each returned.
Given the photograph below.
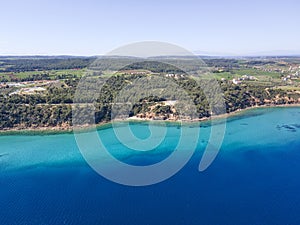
(94, 27)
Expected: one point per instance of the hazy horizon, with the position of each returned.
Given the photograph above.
(279, 53)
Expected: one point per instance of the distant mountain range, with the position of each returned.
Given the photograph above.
(262, 53)
(209, 54)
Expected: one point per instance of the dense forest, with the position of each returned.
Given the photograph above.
(39, 63)
(21, 64)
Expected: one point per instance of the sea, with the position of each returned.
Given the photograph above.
(254, 178)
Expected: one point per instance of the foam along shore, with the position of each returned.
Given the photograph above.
(134, 119)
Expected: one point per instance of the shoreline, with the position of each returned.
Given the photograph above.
(105, 125)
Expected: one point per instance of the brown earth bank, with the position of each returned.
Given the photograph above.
(66, 128)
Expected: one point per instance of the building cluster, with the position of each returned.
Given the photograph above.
(174, 75)
(27, 87)
(292, 76)
(28, 91)
(243, 78)
(27, 83)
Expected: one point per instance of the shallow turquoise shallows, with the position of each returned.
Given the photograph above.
(255, 179)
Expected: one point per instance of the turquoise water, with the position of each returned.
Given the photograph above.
(254, 179)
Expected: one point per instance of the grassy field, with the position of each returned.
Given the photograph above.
(53, 74)
(289, 88)
(263, 77)
(256, 72)
(272, 77)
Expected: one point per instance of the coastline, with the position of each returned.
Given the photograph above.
(241, 111)
(109, 124)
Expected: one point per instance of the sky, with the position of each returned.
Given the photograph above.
(95, 27)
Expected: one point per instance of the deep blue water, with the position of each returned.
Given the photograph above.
(254, 179)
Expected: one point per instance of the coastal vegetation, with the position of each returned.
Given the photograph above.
(38, 92)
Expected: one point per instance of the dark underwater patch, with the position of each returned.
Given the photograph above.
(4, 154)
(289, 127)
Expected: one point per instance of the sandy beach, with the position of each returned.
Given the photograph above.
(104, 125)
